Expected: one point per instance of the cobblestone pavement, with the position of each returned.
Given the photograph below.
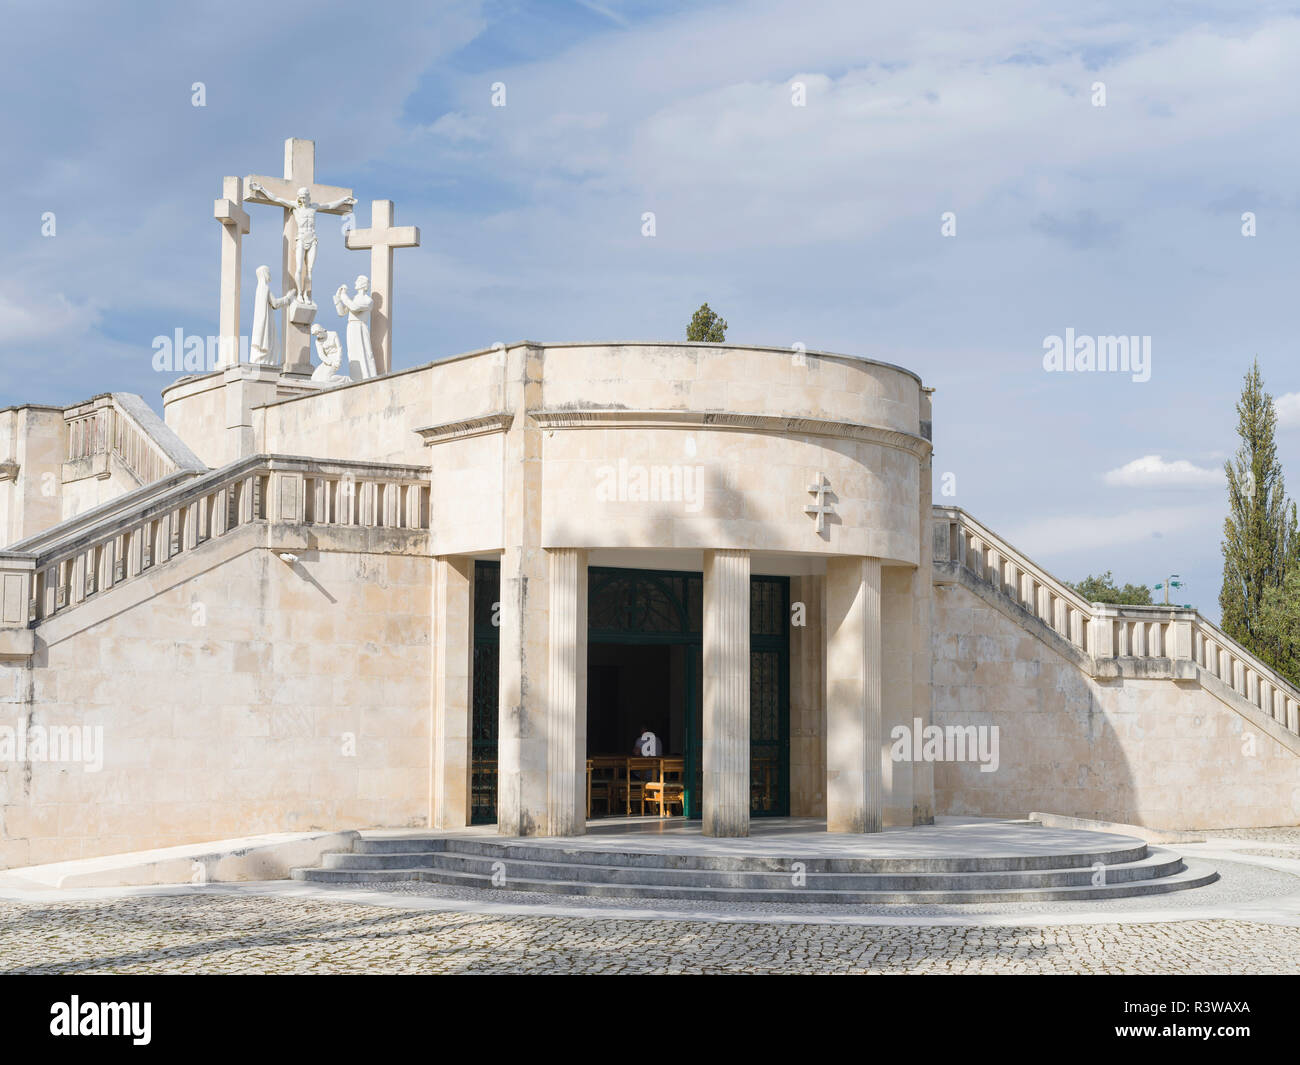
(202, 933)
(1284, 835)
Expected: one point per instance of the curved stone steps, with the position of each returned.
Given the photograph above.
(523, 850)
(1154, 865)
(1162, 885)
(1131, 869)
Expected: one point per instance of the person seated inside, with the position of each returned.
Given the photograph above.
(647, 745)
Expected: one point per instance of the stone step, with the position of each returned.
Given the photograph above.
(1183, 879)
(1156, 864)
(1120, 854)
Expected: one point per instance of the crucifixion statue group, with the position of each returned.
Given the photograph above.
(368, 311)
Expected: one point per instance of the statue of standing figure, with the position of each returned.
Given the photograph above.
(264, 343)
(304, 215)
(361, 360)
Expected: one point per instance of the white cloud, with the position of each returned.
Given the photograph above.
(1288, 410)
(29, 318)
(1152, 471)
(457, 126)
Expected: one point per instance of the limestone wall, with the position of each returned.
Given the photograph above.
(32, 439)
(725, 377)
(373, 421)
(195, 410)
(704, 446)
(244, 695)
(82, 493)
(699, 487)
(1154, 752)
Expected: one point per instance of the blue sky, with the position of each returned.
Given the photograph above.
(818, 225)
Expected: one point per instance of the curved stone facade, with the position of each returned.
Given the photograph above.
(697, 447)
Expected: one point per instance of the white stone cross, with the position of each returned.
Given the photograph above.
(299, 173)
(234, 221)
(821, 508)
(381, 238)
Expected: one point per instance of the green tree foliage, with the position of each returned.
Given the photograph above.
(1102, 589)
(1259, 533)
(706, 326)
(1280, 618)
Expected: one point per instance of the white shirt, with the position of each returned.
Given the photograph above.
(648, 745)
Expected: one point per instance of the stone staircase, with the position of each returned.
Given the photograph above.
(107, 559)
(1126, 868)
(1110, 641)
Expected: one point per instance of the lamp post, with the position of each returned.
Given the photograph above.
(1172, 581)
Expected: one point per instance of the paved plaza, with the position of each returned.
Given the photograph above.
(216, 933)
(1247, 922)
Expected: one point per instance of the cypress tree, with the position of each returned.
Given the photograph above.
(1259, 533)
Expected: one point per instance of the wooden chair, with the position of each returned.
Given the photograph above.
(601, 777)
(670, 788)
(639, 772)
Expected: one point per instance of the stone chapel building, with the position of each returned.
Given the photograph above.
(426, 598)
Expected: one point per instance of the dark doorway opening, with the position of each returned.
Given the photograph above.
(645, 669)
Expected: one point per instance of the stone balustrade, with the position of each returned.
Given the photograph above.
(123, 426)
(1139, 641)
(82, 558)
(964, 542)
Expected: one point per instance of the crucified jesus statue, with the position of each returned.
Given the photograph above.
(304, 214)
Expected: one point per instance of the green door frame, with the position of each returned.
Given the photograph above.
(669, 621)
(769, 636)
(484, 687)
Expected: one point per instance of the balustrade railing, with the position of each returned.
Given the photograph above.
(959, 538)
(122, 426)
(1108, 631)
(58, 571)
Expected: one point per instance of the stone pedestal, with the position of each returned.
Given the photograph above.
(298, 318)
(566, 712)
(453, 651)
(726, 693)
(247, 385)
(853, 695)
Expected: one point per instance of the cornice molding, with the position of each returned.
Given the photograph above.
(496, 422)
(600, 418)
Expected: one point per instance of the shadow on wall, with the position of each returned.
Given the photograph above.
(1153, 752)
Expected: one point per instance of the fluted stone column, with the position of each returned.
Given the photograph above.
(525, 605)
(566, 713)
(854, 801)
(897, 702)
(726, 693)
(453, 643)
(922, 616)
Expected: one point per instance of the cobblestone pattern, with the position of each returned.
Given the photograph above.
(220, 934)
(1284, 835)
